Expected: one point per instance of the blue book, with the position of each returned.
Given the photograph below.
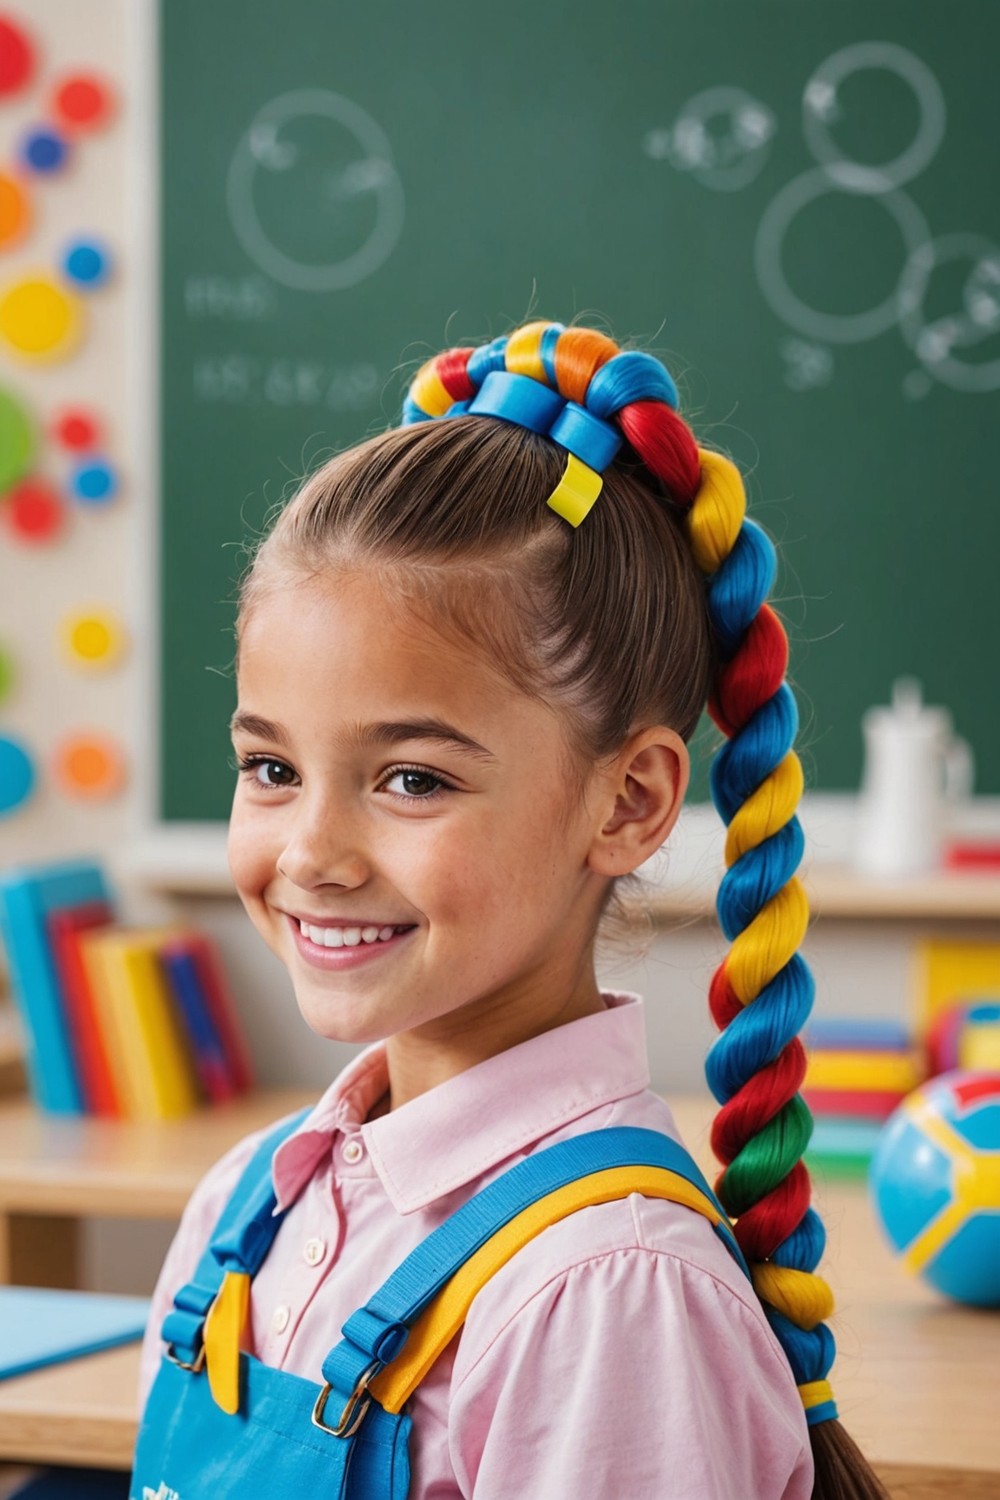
(856, 1034)
(43, 1325)
(28, 893)
(207, 1051)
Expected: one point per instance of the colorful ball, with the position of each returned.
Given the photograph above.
(935, 1184)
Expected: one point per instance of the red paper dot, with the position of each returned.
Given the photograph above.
(81, 102)
(76, 429)
(34, 510)
(17, 57)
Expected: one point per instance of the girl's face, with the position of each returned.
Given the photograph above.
(393, 783)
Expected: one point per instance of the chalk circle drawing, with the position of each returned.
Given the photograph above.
(833, 328)
(313, 195)
(935, 341)
(821, 110)
(722, 136)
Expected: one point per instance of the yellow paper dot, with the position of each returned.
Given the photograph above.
(14, 214)
(39, 319)
(93, 639)
(90, 766)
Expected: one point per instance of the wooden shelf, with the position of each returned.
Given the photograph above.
(839, 891)
(82, 1164)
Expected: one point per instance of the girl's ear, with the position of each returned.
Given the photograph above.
(642, 793)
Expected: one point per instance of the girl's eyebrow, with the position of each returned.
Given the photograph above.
(383, 732)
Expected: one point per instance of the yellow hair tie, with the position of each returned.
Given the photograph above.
(815, 1391)
(576, 491)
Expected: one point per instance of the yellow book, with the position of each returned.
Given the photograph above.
(125, 1084)
(884, 1072)
(948, 972)
(159, 1075)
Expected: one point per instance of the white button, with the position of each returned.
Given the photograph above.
(314, 1251)
(353, 1150)
(280, 1317)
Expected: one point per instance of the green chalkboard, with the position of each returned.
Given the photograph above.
(795, 205)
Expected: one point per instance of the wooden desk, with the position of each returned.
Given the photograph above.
(56, 1170)
(916, 1378)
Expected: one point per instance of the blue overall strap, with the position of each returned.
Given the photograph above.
(243, 1234)
(375, 1333)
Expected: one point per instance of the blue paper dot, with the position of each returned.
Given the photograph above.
(17, 775)
(94, 481)
(87, 263)
(43, 150)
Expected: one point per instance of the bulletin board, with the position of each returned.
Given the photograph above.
(789, 208)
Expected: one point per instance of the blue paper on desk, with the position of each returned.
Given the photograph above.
(43, 1325)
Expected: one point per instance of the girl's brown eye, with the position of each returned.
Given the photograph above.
(252, 766)
(418, 782)
(275, 765)
(416, 785)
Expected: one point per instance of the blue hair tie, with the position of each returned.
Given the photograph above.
(528, 403)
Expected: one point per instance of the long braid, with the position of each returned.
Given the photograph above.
(762, 992)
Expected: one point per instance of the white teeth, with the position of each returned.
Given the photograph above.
(346, 937)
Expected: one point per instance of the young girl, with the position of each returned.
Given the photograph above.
(470, 654)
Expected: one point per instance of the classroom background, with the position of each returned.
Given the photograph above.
(225, 246)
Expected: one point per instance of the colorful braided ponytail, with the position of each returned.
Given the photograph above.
(762, 992)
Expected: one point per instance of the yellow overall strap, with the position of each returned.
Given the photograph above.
(444, 1316)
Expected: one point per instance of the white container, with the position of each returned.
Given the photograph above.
(915, 769)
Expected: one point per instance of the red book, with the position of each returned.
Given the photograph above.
(972, 854)
(222, 1009)
(866, 1104)
(94, 1071)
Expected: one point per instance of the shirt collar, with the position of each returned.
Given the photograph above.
(460, 1129)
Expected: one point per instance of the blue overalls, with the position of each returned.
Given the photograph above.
(218, 1423)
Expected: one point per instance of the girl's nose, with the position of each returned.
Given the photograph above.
(323, 850)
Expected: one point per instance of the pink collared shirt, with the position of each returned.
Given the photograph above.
(620, 1353)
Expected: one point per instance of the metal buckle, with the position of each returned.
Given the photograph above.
(199, 1363)
(342, 1429)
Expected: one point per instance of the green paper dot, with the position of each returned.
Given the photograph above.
(16, 445)
(7, 674)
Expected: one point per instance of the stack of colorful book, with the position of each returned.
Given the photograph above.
(858, 1072)
(133, 1023)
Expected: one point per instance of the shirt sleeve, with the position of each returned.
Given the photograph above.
(197, 1222)
(631, 1373)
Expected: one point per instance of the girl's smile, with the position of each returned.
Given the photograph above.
(403, 835)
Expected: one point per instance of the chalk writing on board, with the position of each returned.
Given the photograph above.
(722, 136)
(246, 380)
(313, 195)
(240, 299)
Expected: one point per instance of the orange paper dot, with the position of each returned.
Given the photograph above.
(93, 638)
(39, 319)
(14, 212)
(82, 102)
(89, 766)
